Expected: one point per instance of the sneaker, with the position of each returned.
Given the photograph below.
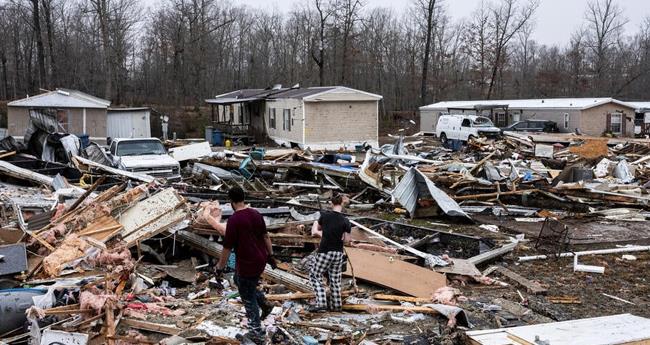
(266, 310)
(251, 337)
(316, 309)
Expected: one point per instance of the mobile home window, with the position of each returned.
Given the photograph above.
(566, 120)
(286, 117)
(617, 123)
(272, 118)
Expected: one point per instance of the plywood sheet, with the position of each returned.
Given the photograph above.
(101, 229)
(148, 210)
(606, 330)
(390, 272)
(154, 228)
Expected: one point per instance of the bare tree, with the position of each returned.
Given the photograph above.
(42, 77)
(509, 18)
(348, 14)
(427, 8)
(47, 13)
(605, 23)
(324, 11)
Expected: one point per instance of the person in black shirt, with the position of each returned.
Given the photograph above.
(334, 229)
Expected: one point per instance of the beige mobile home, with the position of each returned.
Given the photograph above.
(77, 112)
(316, 117)
(592, 116)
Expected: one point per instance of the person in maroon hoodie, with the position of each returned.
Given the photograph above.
(246, 235)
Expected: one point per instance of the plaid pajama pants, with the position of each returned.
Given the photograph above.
(329, 262)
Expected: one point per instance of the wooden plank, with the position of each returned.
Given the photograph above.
(301, 295)
(606, 330)
(371, 308)
(152, 327)
(395, 274)
(531, 286)
(383, 297)
(101, 228)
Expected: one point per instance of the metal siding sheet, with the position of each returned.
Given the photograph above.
(406, 191)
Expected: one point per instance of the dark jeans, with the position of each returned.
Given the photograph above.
(253, 299)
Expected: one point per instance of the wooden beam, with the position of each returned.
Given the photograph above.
(152, 327)
(369, 308)
(531, 286)
(396, 298)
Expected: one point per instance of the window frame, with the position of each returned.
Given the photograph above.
(619, 123)
(567, 119)
(272, 118)
(286, 120)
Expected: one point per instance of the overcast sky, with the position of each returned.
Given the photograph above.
(556, 20)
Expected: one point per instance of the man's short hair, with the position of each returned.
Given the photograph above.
(236, 194)
(337, 199)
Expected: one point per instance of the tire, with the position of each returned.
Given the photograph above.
(470, 138)
(443, 138)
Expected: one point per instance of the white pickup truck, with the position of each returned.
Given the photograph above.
(144, 155)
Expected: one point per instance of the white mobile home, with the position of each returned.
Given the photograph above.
(317, 117)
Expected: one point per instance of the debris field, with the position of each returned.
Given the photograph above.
(502, 241)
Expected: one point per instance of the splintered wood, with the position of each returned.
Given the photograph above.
(383, 269)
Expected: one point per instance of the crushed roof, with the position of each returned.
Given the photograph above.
(62, 98)
(558, 103)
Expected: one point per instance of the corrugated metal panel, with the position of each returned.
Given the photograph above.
(444, 201)
(407, 193)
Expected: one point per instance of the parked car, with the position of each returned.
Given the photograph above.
(546, 126)
(144, 155)
(465, 127)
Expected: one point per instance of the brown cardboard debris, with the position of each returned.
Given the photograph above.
(399, 275)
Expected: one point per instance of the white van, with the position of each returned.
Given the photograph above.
(464, 127)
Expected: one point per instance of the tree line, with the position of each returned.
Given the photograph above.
(180, 52)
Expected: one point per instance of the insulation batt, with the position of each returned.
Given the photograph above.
(71, 248)
(118, 260)
(51, 235)
(60, 210)
(94, 300)
(447, 295)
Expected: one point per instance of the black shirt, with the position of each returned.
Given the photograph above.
(333, 225)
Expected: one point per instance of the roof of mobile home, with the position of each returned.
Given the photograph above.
(552, 103)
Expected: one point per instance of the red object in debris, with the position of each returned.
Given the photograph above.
(137, 306)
